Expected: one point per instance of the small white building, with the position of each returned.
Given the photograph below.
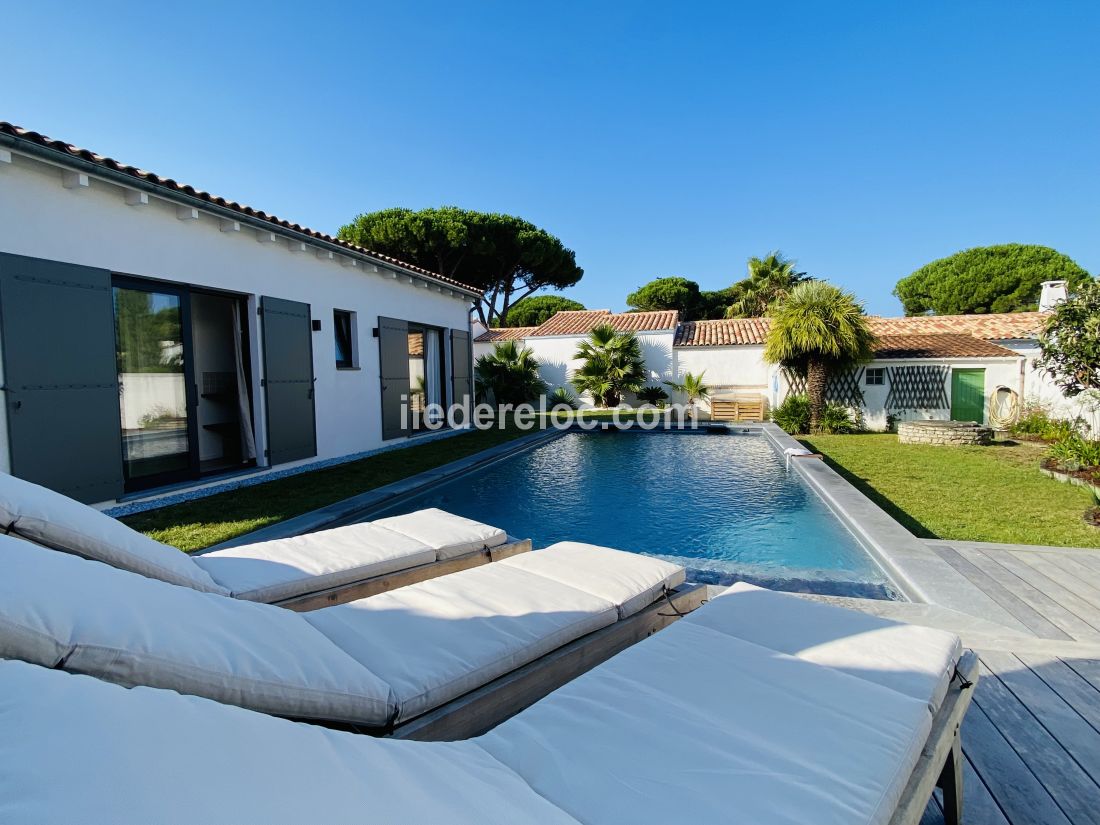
(928, 367)
(556, 341)
(153, 334)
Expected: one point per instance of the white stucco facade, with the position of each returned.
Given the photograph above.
(740, 370)
(47, 213)
(557, 364)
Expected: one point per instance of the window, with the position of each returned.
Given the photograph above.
(876, 376)
(343, 328)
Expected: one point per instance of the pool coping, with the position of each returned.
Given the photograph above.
(916, 569)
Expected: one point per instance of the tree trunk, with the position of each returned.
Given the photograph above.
(816, 378)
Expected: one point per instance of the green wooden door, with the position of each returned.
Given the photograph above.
(968, 395)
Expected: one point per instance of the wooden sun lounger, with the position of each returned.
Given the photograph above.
(488, 706)
(401, 578)
(941, 761)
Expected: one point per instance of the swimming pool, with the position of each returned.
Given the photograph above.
(724, 506)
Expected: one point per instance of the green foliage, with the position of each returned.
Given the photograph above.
(1070, 342)
(1073, 451)
(838, 420)
(505, 257)
(815, 330)
(653, 395)
(508, 375)
(668, 293)
(537, 309)
(612, 365)
(714, 303)
(771, 279)
(1004, 278)
(561, 397)
(1035, 421)
(692, 386)
(793, 415)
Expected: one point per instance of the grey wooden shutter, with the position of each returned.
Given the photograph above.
(393, 369)
(461, 367)
(288, 380)
(60, 376)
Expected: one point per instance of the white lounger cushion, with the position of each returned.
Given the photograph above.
(57, 609)
(436, 640)
(270, 571)
(693, 725)
(58, 522)
(914, 660)
(629, 580)
(449, 535)
(78, 750)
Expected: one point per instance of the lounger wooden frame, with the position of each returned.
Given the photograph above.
(941, 762)
(401, 578)
(486, 707)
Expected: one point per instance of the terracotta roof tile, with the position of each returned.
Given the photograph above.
(748, 331)
(174, 186)
(938, 345)
(505, 334)
(583, 321)
(723, 332)
(995, 326)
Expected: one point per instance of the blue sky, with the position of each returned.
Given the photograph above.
(863, 139)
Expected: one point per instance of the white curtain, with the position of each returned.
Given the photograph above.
(244, 408)
(431, 370)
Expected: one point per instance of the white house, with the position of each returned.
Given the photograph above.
(153, 334)
(967, 367)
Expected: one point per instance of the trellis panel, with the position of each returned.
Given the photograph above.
(917, 388)
(842, 387)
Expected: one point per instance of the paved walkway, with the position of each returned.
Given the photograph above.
(1032, 735)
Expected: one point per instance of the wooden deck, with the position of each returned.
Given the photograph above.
(1032, 736)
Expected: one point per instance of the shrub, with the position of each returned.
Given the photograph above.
(561, 397)
(1034, 419)
(838, 420)
(793, 415)
(612, 365)
(508, 375)
(653, 395)
(1074, 451)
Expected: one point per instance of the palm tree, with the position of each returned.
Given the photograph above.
(613, 365)
(817, 329)
(770, 279)
(508, 375)
(692, 386)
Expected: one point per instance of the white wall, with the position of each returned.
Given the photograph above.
(556, 362)
(1039, 387)
(94, 226)
(998, 372)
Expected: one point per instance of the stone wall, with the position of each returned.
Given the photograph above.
(948, 433)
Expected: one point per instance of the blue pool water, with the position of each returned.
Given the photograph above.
(724, 506)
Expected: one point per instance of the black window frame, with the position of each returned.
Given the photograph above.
(879, 373)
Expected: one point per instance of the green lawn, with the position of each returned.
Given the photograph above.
(991, 493)
(203, 522)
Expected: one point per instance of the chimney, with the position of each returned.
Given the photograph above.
(1054, 292)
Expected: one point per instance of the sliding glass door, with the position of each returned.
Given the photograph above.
(152, 331)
